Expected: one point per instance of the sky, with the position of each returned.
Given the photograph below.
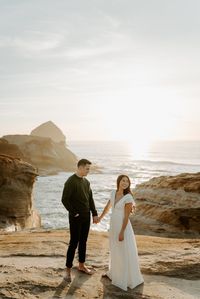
(101, 70)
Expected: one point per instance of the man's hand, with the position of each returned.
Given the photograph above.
(95, 219)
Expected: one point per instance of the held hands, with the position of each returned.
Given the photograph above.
(96, 219)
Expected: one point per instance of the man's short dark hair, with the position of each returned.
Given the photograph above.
(83, 162)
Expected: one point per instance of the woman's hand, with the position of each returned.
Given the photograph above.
(121, 236)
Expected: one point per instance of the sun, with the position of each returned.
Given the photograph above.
(139, 148)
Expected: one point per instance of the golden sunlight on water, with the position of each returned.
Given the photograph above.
(139, 149)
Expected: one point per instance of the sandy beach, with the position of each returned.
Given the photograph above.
(32, 264)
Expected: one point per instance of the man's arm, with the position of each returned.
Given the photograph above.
(92, 204)
(67, 195)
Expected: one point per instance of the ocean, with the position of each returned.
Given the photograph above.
(141, 163)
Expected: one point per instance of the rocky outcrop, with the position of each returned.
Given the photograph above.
(49, 129)
(10, 149)
(32, 265)
(16, 201)
(45, 154)
(168, 204)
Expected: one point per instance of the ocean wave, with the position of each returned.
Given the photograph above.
(164, 162)
(114, 161)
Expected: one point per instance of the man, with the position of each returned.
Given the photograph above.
(78, 200)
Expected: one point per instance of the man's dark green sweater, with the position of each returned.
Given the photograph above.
(77, 196)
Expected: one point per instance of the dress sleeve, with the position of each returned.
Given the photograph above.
(129, 199)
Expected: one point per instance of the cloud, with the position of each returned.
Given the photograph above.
(32, 43)
(54, 53)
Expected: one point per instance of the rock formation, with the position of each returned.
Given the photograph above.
(10, 149)
(49, 129)
(168, 204)
(45, 154)
(32, 266)
(16, 201)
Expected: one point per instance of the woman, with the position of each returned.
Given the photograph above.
(124, 268)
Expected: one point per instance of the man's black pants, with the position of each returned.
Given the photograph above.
(79, 229)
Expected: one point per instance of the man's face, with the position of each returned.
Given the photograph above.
(84, 170)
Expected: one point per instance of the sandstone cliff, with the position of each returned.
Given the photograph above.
(16, 202)
(10, 149)
(49, 129)
(168, 204)
(45, 154)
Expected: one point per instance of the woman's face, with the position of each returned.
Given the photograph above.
(124, 183)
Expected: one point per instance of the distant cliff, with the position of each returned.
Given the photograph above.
(45, 149)
(168, 204)
(42, 152)
(49, 129)
(10, 149)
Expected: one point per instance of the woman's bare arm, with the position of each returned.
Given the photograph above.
(105, 210)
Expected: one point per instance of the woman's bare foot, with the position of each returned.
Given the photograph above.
(85, 270)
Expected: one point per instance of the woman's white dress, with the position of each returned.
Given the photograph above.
(124, 270)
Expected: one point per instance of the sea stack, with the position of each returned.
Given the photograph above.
(49, 129)
(45, 149)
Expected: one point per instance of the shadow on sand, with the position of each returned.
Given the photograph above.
(110, 291)
(67, 289)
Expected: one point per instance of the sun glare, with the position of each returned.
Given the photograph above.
(139, 149)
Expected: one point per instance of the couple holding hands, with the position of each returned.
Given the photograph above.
(77, 198)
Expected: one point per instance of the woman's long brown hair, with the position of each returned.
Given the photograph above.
(127, 190)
